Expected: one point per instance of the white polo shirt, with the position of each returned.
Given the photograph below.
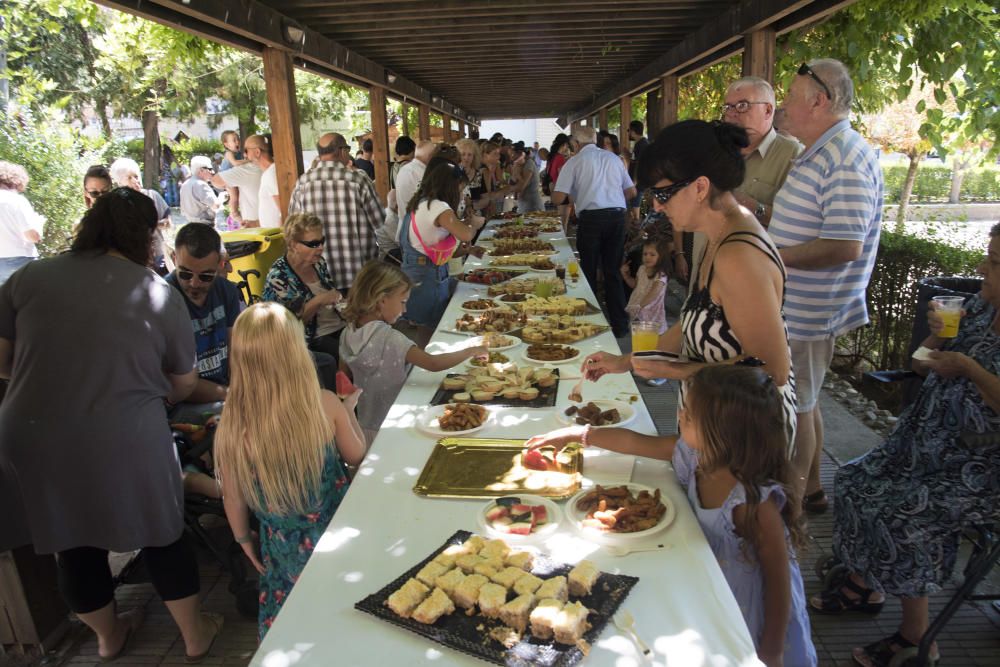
(246, 178)
(595, 179)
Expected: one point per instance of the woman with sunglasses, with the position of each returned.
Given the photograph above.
(301, 282)
(734, 309)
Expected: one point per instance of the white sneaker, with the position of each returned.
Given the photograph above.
(656, 382)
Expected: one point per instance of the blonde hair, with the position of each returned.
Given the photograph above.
(273, 436)
(298, 223)
(473, 146)
(375, 281)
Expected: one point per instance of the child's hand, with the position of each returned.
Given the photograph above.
(626, 273)
(557, 439)
(351, 400)
(250, 549)
(479, 352)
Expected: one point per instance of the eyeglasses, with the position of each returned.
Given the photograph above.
(317, 243)
(203, 277)
(94, 194)
(739, 107)
(664, 194)
(805, 70)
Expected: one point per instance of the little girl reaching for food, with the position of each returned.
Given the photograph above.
(732, 463)
(378, 356)
(280, 449)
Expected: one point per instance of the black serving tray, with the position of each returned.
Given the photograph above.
(461, 633)
(546, 396)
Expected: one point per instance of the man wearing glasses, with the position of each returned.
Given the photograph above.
(826, 223)
(243, 182)
(213, 304)
(198, 201)
(346, 202)
(750, 104)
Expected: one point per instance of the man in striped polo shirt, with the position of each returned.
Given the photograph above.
(826, 223)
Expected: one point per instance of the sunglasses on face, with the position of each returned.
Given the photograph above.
(204, 277)
(805, 70)
(739, 107)
(317, 243)
(94, 194)
(664, 194)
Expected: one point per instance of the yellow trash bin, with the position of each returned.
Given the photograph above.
(253, 249)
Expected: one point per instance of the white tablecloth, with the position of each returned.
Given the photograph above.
(682, 605)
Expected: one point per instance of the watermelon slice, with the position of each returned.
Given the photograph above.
(534, 460)
(521, 509)
(540, 514)
(344, 385)
(521, 527)
(496, 513)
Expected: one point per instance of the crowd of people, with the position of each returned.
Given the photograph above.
(785, 228)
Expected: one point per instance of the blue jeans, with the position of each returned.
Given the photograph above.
(600, 238)
(431, 288)
(8, 265)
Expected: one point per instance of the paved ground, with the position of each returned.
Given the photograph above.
(972, 639)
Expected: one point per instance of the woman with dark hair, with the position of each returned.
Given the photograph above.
(96, 183)
(430, 236)
(559, 153)
(734, 309)
(489, 197)
(85, 447)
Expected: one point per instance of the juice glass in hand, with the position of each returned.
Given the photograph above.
(645, 336)
(950, 310)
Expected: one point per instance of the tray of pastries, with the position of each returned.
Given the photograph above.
(499, 321)
(554, 305)
(526, 286)
(503, 247)
(500, 384)
(559, 329)
(483, 598)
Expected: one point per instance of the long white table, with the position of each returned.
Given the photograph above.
(682, 605)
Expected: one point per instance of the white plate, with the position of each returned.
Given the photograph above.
(576, 517)
(626, 411)
(524, 355)
(478, 311)
(555, 516)
(427, 421)
(478, 340)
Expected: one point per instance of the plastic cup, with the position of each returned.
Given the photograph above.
(645, 336)
(543, 289)
(573, 268)
(950, 310)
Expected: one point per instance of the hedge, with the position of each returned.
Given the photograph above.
(183, 150)
(933, 184)
(902, 260)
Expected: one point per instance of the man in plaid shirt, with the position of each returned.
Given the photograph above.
(346, 202)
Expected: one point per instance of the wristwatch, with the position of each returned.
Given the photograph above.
(760, 211)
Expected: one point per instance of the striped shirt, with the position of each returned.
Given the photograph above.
(833, 191)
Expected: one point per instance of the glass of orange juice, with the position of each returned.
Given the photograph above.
(573, 268)
(645, 336)
(950, 310)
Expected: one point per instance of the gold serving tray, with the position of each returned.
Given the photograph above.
(489, 468)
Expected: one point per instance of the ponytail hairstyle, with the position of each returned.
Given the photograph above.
(693, 148)
(739, 414)
(375, 281)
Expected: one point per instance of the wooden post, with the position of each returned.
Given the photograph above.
(573, 126)
(668, 101)
(283, 112)
(406, 119)
(446, 128)
(623, 141)
(425, 123)
(653, 113)
(380, 140)
(461, 130)
(758, 54)
(602, 119)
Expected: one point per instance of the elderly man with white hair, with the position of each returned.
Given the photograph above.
(125, 173)
(198, 200)
(749, 103)
(598, 184)
(826, 223)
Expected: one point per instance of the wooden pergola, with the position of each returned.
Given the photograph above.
(469, 60)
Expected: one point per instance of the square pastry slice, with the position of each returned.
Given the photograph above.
(495, 548)
(515, 613)
(473, 545)
(543, 618)
(508, 576)
(527, 583)
(469, 562)
(522, 559)
(571, 623)
(450, 580)
(582, 578)
(448, 556)
(467, 593)
(406, 599)
(555, 588)
(429, 573)
(434, 607)
(491, 598)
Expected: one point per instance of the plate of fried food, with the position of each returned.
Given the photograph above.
(599, 414)
(479, 305)
(499, 320)
(453, 419)
(494, 358)
(625, 512)
(549, 353)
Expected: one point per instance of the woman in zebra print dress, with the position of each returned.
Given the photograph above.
(734, 309)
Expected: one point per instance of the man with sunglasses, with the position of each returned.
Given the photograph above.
(346, 201)
(826, 223)
(749, 103)
(213, 304)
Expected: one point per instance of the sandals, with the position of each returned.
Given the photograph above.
(216, 620)
(834, 601)
(134, 618)
(816, 503)
(881, 653)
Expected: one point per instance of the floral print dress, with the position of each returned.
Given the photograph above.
(287, 542)
(901, 507)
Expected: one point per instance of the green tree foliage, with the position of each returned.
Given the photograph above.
(700, 95)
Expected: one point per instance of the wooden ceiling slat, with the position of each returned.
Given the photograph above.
(536, 44)
(612, 27)
(485, 22)
(386, 7)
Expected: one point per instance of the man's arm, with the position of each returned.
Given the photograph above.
(559, 198)
(206, 391)
(821, 254)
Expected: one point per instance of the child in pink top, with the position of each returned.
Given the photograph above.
(650, 284)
